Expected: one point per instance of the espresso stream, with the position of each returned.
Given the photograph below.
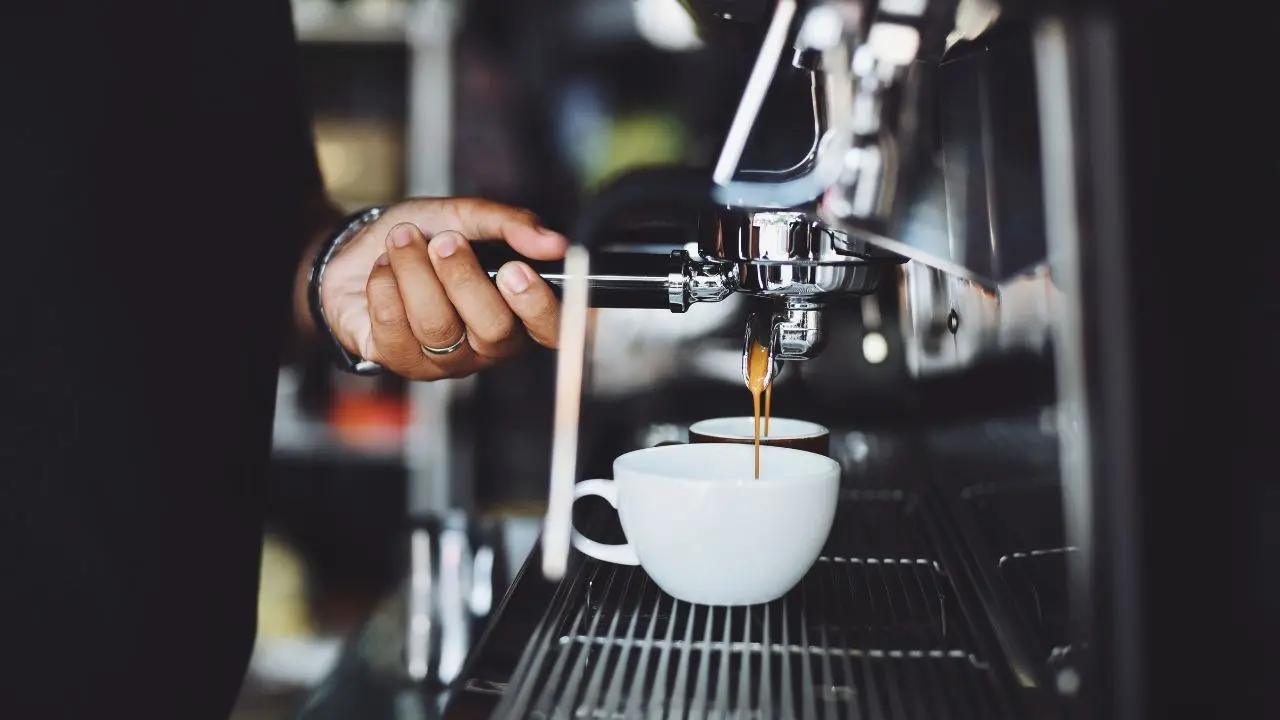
(757, 371)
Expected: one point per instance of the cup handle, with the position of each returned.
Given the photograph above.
(618, 554)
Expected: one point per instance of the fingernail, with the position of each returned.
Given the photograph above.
(401, 235)
(444, 244)
(383, 259)
(514, 277)
(547, 231)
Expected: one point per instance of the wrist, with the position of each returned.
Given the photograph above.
(324, 252)
(320, 221)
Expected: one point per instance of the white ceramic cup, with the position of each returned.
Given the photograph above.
(706, 530)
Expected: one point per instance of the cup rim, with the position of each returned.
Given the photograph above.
(828, 466)
(819, 429)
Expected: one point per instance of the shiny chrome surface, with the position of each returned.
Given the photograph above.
(769, 237)
(905, 156)
(639, 279)
(698, 281)
(943, 163)
(790, 254)
(905, 167)
(876, 181)
(797, 330)
(949, 323)
(922, 178)
(782, 280)
(798, 261)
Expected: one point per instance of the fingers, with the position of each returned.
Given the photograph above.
(521, 229)
(532, 301)
(394, 345)
(492, 329)
(431, 294)
(428, 312)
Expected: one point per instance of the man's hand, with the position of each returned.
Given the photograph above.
(409, 288)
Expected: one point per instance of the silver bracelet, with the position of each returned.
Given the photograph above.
(354, 224)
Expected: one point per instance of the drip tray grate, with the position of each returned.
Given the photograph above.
(1024, 522)
(873, 631)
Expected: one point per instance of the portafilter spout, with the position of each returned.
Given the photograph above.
(791, 332)
(759, 338)
(788, 258)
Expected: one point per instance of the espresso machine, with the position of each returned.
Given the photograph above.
(1011, 547)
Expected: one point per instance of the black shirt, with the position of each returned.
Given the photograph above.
(155, 159)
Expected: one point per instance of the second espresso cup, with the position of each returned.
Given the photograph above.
(706, 530)
(783, 432)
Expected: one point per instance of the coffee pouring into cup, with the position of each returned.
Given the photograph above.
(706, 530)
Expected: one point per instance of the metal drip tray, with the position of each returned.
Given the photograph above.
(1023, 523)
(873, 631)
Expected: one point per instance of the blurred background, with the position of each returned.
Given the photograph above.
(394, 504)
(531, 102)
(400, 514)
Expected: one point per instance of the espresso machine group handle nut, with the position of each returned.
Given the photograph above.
(637, 280)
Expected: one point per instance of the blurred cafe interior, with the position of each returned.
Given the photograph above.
(979, 345)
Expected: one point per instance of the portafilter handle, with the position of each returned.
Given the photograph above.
(640, 280)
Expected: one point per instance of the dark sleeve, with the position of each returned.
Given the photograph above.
(248, 87)
(156, 165)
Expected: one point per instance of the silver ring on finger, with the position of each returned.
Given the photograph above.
(446, 350)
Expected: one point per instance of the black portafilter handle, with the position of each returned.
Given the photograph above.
(639, 280)
(657, 206)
